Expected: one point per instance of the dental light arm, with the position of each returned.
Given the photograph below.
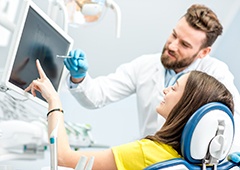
(114, 6)
(53, 8)
(83, 12)
(4, 21)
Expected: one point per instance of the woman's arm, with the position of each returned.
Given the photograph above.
(69, 158)
(66, 156)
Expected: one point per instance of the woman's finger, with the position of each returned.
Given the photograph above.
(33, 87)
(40, 70)
(28, 88)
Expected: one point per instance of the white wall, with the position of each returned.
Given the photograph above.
(145, 28)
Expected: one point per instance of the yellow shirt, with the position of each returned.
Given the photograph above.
(142, 153)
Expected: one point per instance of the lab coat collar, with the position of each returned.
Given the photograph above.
(192, 66)
(159, 74)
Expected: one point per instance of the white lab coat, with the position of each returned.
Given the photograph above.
(144, 76)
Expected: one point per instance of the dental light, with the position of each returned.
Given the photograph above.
(7, 15)
(84, 12)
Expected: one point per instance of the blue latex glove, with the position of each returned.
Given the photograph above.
(234, 157)
(77, 65)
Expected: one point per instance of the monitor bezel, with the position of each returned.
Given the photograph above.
(26, 6)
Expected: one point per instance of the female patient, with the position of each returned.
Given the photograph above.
(191, 91)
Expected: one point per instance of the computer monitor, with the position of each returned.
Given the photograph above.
(36, 36)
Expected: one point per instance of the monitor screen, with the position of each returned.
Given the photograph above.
(37, 37)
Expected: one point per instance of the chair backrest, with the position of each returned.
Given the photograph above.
(206, 139)
(208, 134)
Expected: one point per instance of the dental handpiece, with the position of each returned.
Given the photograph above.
(53, 147)
(53, 153)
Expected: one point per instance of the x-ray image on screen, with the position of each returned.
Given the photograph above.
(39, 40)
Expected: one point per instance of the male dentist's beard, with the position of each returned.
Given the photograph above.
(176, 64)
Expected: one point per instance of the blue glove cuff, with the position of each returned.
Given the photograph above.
(79, 75)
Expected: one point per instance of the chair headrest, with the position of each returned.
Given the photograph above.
(209, 131)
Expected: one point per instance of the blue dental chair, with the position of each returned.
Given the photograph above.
(206, 141)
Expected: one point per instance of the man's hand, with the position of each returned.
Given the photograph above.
(77, 64)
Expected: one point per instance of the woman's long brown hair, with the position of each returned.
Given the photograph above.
(200, 89)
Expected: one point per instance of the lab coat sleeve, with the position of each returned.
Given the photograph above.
(97, 92)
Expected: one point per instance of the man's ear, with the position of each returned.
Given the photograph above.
(205, 51)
